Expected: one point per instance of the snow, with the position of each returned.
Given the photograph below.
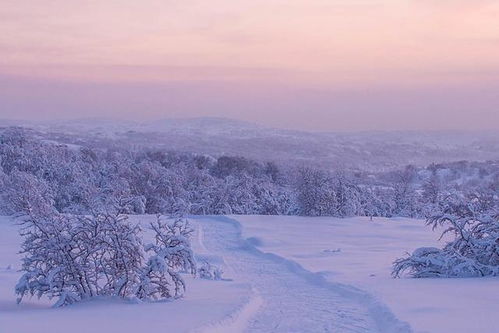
(238, 321)
(294, 299)
(206, 302)
(281, 274)
(359, 252)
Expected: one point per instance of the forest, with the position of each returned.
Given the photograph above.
(82, 179)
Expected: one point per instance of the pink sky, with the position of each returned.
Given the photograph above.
(321, 64)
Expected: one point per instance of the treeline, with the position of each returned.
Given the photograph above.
(36, 174)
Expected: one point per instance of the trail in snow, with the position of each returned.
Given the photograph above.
(238, 321)
(292, 299)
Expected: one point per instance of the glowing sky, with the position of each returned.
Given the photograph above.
(314, 64)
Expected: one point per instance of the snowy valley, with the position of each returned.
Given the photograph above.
(249, 166)
(131, 237)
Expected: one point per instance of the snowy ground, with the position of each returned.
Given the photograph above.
(359, 253)
(288, 274)
(204, 303)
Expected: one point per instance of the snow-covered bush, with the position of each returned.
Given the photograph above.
(78, 257)
(171, 254)
(74, 258)
(210, 272)
(474, 251)
(430, 262)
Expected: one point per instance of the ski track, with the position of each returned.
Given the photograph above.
(290, 299)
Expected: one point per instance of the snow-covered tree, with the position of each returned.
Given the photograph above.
(73, 258)
(371, 203)
(404, 192)
(315, 194)
(473, 222)
(171, 254)
(23, 193)
(78, 257)
(347, 197)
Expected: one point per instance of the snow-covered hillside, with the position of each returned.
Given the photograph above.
(283, 274)
(218, 136)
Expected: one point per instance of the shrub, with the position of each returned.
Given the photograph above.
(474, 251)
(74, 258)
(210, 272)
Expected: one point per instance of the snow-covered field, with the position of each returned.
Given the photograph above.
(205, 302)
(359, 252)
(283, 274)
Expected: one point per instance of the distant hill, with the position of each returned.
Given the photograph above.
(218, 136)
